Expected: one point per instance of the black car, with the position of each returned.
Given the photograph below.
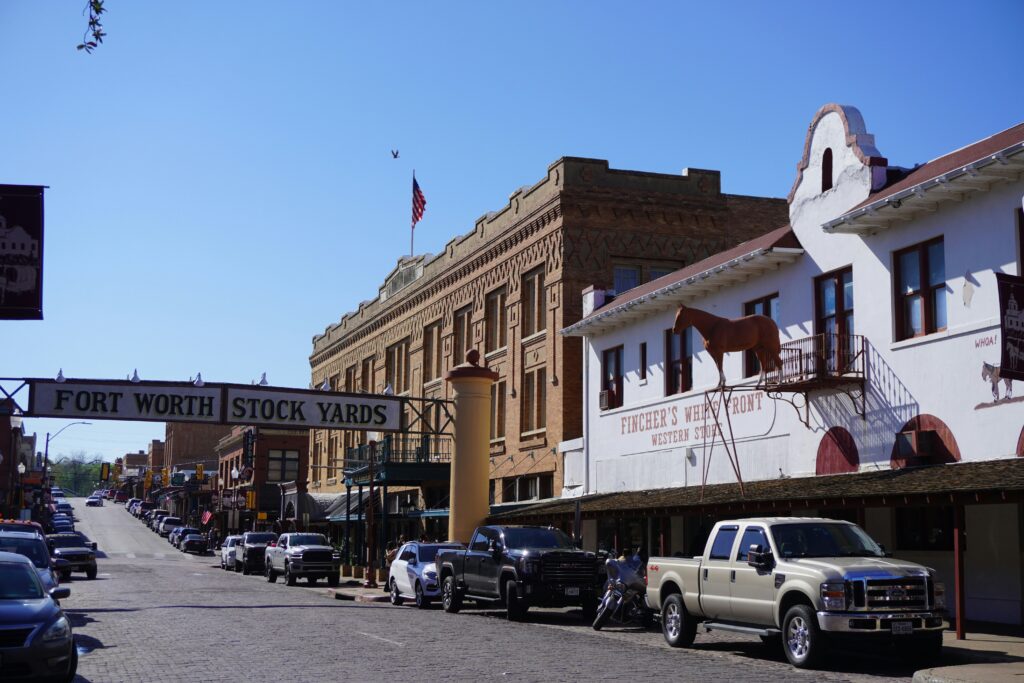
(76, 551)
(36, 643)
(193, 542)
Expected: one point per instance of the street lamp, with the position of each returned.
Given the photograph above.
(49, 438)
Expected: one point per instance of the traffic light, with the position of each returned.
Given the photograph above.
(165, 477)
(199, 472)
(149, 479)
(105, 472)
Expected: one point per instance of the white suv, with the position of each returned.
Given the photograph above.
(414, 574)
(227, 551)
(168, 524)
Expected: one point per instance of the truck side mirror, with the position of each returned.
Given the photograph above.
(758, 557)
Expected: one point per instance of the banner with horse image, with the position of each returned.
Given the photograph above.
(21, 252)
(1011, 321)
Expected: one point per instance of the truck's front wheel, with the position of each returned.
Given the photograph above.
(451, 601)
(271, 574)
(289, 578)
(516, 607)
(678, 627)
(802, 641)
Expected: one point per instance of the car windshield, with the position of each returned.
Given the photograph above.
(18, 582)
(427, 553)
(537, 538)
(32, 548)
(824, 540)
(185, 531)
(260, 538)
(308, 539)
(67, 542)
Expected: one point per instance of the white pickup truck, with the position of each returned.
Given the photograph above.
(302, 555)
(800, 582)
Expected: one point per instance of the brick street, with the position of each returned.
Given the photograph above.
(156, 614)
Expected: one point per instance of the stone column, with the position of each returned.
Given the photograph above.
(468, 502)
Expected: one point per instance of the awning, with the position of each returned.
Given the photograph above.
(988, 481)
(348, 501)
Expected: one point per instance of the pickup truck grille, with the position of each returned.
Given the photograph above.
(909, 593)
(317, 556)
(567, 570)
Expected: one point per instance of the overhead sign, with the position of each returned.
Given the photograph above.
(213, 403)
(21, 252)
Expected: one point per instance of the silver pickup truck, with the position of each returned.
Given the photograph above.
(302, 555)
(800, 582)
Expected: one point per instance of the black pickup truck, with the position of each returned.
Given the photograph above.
(518, 567)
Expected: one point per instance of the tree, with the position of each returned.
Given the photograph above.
(77, 472)
(94, 32)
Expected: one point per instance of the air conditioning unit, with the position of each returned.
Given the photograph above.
(917, 444)
(606, 399)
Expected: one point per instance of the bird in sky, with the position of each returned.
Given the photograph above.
(394, 154)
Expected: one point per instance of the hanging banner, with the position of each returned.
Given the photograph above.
(212, 403)
(1011, 320)
(21, 252)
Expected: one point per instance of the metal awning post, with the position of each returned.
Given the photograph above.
(958, 570)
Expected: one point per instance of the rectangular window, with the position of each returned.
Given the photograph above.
(643, 360)
(431, 352)
(534, 401)
(833, 297)
(625, 278)
(532, 303)
(282, 465)
(350, 378)
(498, 410)
(611, 375)
(495, 321)
(366, 379)
(659, 271)
(767, 306)
(518, 489)
(462, 339)
(722, 546)
(678, 362)
(920, 289)
(924, 528)
(396, 366)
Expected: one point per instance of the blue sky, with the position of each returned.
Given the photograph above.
(221, 185)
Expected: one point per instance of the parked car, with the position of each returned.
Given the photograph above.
(32, 546)
(121, 497)
(110, 494)
(144, 507)
(307, 556)
(156, 517)
(61, 525)
(66, 509)
(129, 503)
(227, 551)
(252, 548)
(194, 542)
(93, 502)
(76, 550)
(174, 534)
(413, 573)
(518, 567)
(797, 582)
(38, 643)
(182, 533)
(167, 524)
(21, 525)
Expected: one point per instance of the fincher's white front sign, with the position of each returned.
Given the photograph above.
(214, 404)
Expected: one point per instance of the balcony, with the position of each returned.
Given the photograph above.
(821, 362)
(407, 460)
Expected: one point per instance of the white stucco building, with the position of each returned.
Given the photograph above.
(884, 410)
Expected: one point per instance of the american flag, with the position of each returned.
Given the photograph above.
(419, 202)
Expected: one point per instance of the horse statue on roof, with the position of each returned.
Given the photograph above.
(757, 333)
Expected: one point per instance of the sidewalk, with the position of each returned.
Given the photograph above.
(352, 589)
(985, 657)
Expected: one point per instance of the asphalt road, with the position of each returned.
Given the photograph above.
(154, 614)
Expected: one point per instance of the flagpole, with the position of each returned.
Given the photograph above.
(412, 228)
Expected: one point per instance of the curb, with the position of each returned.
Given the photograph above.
(971, 673)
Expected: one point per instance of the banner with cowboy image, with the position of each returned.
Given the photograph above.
(1011, 321)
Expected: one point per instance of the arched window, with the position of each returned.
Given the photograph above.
(826, 169)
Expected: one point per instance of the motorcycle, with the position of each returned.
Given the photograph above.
(625, 594)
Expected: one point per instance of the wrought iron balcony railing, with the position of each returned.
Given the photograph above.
(823, 358)
(414, 448)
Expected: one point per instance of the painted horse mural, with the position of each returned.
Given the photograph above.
(990, 373)
(757, 333)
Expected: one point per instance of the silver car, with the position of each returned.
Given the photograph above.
(227, 551)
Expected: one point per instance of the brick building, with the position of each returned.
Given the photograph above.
(263, 459)
(506, 288)
(136, 460)
(155, 455)
(189, 443)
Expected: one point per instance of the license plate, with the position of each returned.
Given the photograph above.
(572, 590)
(902, 628)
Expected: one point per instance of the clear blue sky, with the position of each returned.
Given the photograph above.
(221, 185)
